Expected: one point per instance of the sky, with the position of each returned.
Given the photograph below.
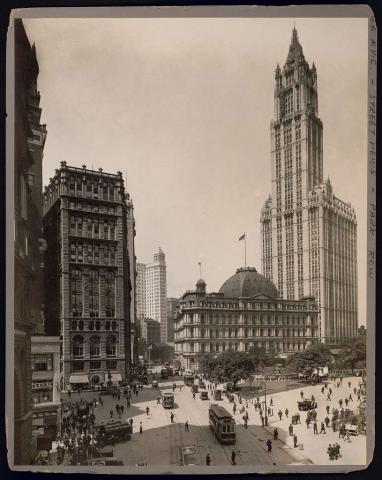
(182, 107)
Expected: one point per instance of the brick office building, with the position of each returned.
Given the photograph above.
(29, 140)
(88, 273)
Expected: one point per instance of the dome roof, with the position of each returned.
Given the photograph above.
(248, 283)
(201, 282)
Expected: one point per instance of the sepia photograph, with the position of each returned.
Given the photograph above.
(190, 281)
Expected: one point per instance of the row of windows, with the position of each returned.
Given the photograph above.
(79, 366)
(94, 346)
(234, 333)
(93, 325)
(94, 254)
(221, 347)
(95, 208)
(92, 228)
(92, 189)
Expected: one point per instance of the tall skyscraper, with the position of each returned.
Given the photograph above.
(88, 276)
(309, 236)
(29, 140)
(141, 290)
(156, 292)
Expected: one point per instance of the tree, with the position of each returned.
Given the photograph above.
(162, 352)
(307, 361)
(353, 351)
(229, 366)
(261, 358)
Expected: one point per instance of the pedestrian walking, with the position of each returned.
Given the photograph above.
(234, 408)
(233, 457)
(295, 441)
(140, 428)
(280, 414)
(340, 402)
(315, 429)
(147, 411)
(70, 394)
(307, 421)
(172, 417)
(262, 420)
(111, 413)
(290, 430)
(271, 402)
(286, 412)
(302, 394)
(208, 460)
(275, 434)
(322, 428)
(158, 400)
(327, 409)
(346, 401)
(269, 445)
(327, 421)
(186, 426)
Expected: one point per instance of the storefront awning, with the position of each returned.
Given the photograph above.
(79, 379)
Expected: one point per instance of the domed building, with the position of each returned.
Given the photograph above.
(246, 312)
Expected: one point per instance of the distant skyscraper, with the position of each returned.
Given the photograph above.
(156, 292)
(309, 236)
(141, 290)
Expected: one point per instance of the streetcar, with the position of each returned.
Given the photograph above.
(168, 400)
(164, 373)
(188, 379)
(222, 424)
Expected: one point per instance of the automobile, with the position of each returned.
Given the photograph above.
(306, 405)
(204, 396)
(352, 429)
(155, 384)
(149, 371)
(108, 461)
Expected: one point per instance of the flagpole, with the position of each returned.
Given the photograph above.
(245, 251)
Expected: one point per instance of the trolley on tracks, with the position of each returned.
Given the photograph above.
(222, 424)
(168, 400)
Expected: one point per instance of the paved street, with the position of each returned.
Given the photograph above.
(161, 442)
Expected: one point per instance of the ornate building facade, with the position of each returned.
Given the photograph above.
(88, 273)
(29, 140)
(309, 236)
(246, 312)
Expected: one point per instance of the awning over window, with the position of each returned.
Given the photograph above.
(79, 379)
(116, 377)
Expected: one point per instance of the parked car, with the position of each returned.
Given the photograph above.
(306, 405)
(155, 384)
(204, 396)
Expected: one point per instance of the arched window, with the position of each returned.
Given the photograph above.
(109, 294)
(95, 344)
(78, 346)
(76, 292)
(114, 325)
(74, 325)
(93, 293)
(111, 343)
(98, 325)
